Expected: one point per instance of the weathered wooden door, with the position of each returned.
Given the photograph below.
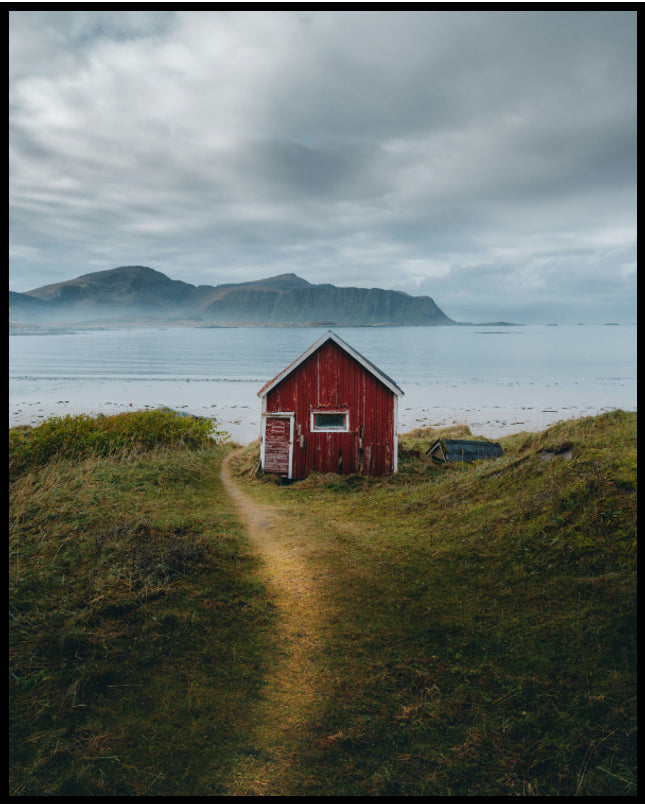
(278, 444)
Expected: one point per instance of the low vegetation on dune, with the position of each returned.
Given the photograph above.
(484, 628)
(80, 436)
(137, 618)
(488, 633)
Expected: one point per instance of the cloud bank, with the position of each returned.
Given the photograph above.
(485, 158)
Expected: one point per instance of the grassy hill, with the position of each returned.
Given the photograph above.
(121, 565)
(485, 644)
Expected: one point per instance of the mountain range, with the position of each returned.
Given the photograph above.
(130, 294)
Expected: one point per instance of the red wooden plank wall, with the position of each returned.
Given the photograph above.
(332, 379)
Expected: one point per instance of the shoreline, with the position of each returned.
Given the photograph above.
(25, 328)
(527, 389)
(242, 421)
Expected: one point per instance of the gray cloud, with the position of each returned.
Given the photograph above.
(486, 158)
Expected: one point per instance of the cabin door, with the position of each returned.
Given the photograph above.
(278, 444)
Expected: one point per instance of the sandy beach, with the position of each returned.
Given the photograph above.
(490, 411)
(497, 383)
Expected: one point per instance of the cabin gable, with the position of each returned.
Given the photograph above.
(344, 412)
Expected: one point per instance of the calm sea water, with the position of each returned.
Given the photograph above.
(496, 379)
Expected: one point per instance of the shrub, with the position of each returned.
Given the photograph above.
(79, 436)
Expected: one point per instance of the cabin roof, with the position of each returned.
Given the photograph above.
(326, 337)
(464, 450)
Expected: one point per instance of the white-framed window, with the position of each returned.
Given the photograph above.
(326, 421)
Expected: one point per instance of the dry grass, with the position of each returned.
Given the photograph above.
(137, 627)
(486, 634)
(467, 631)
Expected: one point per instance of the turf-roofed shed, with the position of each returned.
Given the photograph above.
(331, 410)
(464, 450)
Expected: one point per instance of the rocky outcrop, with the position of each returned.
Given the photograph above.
(330, 304)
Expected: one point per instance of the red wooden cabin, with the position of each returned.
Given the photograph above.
(331, 410)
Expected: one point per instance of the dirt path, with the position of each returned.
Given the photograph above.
(296, 684)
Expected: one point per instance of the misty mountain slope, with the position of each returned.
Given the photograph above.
(369, 306)
(343, 306)
(203, 297)
(125, 286)
(127, 292)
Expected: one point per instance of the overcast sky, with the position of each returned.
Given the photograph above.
(487, 159)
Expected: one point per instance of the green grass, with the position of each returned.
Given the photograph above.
(138, 626)
(80, 436)
(487, 644)
(484, 643)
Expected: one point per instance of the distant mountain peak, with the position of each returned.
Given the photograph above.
(285, 282)
(105, 277)
(131, 292)
(123, 271)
